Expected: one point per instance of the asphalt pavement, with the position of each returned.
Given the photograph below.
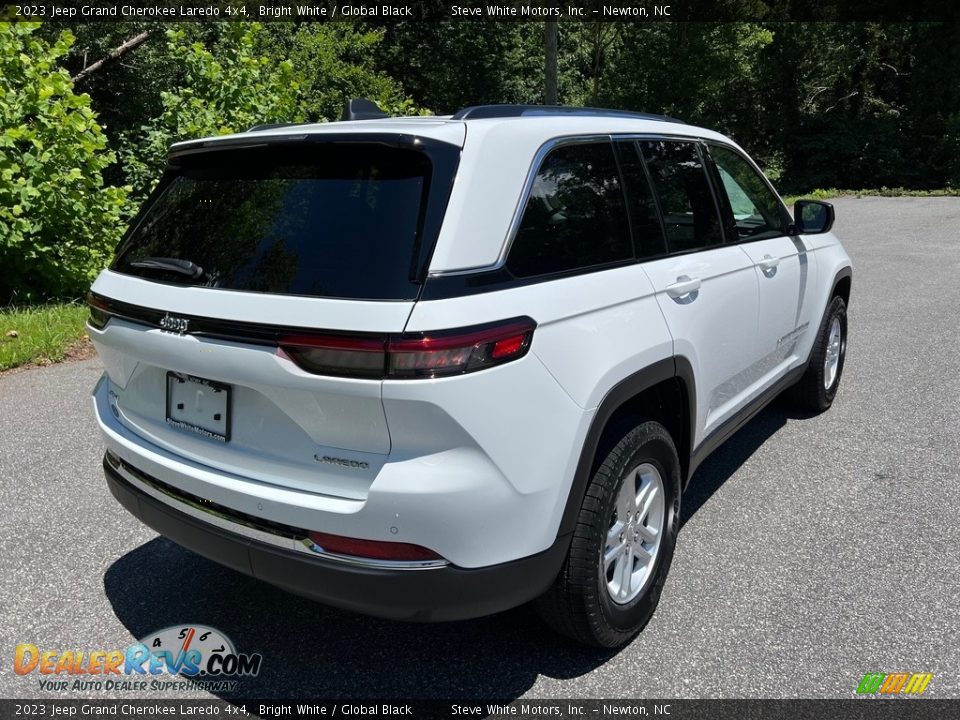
(813, 550)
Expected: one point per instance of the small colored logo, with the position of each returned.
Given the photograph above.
(197, 652)
(894, 683)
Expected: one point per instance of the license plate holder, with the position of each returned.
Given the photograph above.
(199, 406)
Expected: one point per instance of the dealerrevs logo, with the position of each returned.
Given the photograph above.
(197, 652)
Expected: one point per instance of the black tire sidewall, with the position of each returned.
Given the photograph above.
(838, 309)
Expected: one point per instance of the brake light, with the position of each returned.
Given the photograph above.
(507, 347)
(413, 355)
(372, 549)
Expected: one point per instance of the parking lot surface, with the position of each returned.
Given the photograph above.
(813, 550)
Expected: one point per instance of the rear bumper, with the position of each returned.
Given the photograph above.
(445, 493)
(422, 595)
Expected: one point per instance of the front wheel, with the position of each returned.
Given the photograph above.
(621, 550)
(818, 387)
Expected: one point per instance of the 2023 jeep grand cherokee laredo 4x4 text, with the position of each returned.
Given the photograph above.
(432, 368)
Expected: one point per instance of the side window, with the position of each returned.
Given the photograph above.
(575, 217)
(755, 209)
(647, 231)
(680, 180)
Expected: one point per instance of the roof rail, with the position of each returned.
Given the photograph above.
(273, 126)
(478, 112)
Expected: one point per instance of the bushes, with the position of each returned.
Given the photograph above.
(220, 93)
(58, 222)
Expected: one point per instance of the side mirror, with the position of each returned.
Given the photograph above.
(811, 217)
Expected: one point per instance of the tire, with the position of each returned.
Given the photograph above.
(581, 604)
(817, 388)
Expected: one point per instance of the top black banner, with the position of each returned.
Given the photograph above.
(395, 11)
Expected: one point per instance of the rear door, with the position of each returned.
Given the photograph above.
(705, 289)
(784, 267)
(241, 320)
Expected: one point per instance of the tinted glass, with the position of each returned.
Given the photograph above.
(575, 217)
(755, 209)
(332, 220)
(680, 180)
(647, 231)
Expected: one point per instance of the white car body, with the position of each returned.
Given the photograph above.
(480, 468)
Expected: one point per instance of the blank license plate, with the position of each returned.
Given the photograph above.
(199, 406)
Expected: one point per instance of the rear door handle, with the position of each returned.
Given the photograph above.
(768, 262)
(685, 285)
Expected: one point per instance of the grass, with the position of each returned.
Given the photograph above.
(40, 335)
(829, 193)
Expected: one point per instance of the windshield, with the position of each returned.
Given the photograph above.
(341, 220)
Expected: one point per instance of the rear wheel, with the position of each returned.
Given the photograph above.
(818, 387)
(623, 544)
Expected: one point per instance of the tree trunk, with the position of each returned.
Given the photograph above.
(134, 42)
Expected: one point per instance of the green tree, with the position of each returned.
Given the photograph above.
(932, 103)
(333, 62)
(58, 221)
(447, 66)
(225, 89)
(701, 72)
(866, 105)
(125, 92)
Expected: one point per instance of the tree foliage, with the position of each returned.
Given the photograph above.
(853, 104)
(866, 105)
(224, 90)
(333, 62)
(447, 66)
(58, 222)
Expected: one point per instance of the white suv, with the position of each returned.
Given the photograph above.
(433, 368)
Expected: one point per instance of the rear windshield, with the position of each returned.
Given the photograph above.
(341, 220)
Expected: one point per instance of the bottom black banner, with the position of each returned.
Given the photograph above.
(866, 708)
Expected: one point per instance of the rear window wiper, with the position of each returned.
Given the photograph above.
(183, 267)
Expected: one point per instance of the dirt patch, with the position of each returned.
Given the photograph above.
(82, 349)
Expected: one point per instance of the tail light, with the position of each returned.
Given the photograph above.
(333, 355)
(99, 311)
(411, 355)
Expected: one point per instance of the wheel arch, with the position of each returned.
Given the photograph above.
(842, 282)
(664, 391)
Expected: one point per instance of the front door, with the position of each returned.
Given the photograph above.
(784, 267)
(705, 289)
